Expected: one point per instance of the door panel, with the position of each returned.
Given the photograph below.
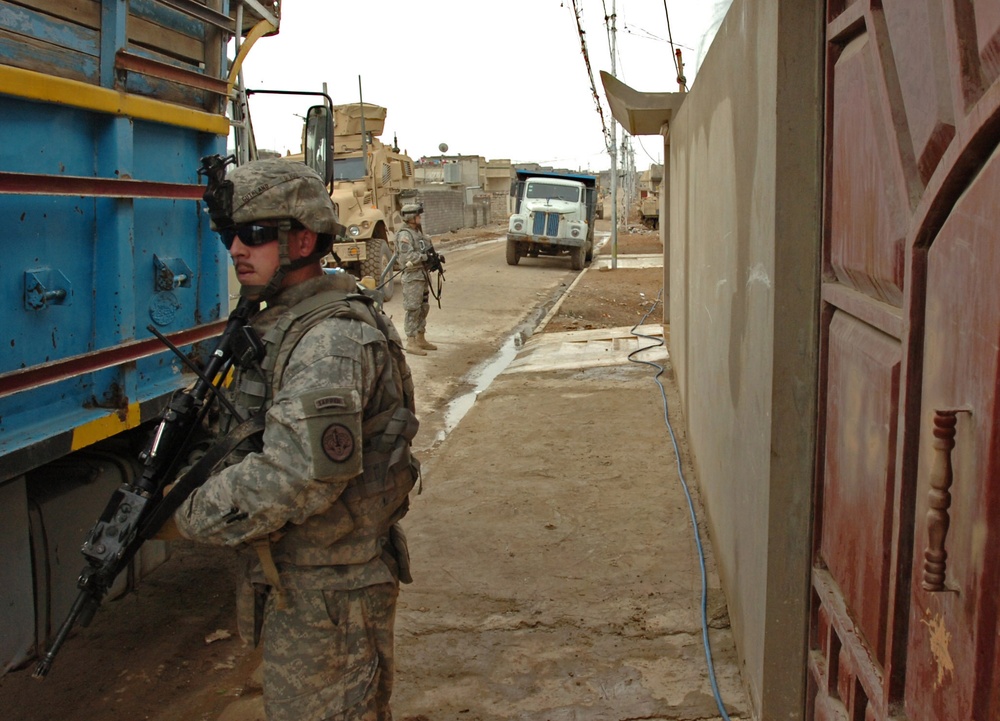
(861, 412)
(953, 619)
(905, 575)
(869, 210)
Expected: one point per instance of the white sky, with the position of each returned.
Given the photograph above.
(502, 79)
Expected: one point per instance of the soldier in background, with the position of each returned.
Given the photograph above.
(316, 510)
(413, 246)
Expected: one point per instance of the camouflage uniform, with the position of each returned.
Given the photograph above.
(318, 507)
(412, 245)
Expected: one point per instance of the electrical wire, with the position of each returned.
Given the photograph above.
(590, 72)
(681, 80)
(658, 162)
(657, 342)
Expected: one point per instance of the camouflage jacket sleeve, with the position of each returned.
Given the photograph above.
(312, 441)
(411, 246)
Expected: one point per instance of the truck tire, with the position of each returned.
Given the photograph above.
(576, 257)
(513, 254)
(379, 255)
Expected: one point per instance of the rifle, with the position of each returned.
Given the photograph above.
(136, 510)
(435, 262)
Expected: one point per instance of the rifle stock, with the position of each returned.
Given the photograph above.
(130, 517)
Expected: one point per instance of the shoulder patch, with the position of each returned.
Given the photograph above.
(338, 442)
(330, 402)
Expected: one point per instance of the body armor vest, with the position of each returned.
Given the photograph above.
(355, 529)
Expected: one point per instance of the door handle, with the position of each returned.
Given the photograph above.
(939, 501)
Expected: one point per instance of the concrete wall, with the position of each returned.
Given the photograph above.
(743, 241)
(501, 206)
(444, 208)
(477, 212)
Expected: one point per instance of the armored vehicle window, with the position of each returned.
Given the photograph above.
(349, 169)
(553, 192)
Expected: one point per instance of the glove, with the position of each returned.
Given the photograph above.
(409, 264)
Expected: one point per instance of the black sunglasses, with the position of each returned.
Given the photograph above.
(253, 234)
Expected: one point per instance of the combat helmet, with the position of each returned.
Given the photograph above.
(278, 189)
(411, 210)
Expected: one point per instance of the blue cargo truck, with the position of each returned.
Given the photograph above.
(106, 107)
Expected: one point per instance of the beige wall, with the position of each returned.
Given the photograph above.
(743, 244)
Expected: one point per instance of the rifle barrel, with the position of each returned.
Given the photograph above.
(83, 599)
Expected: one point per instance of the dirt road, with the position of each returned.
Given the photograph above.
(549, 586)
(484, 304)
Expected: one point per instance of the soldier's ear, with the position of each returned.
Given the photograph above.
(305, 241)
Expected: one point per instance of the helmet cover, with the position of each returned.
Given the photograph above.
(274, 189)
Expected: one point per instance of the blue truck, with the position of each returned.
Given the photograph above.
(107, 107)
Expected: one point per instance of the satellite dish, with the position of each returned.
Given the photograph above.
(443, 147)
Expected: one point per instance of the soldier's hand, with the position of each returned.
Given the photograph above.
(168, 531)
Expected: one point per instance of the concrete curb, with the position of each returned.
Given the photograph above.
(555, 308)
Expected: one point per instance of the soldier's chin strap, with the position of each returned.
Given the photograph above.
(285, 264)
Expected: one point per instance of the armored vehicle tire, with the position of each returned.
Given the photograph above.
(576, 257)
(513, 253)
(379, 255)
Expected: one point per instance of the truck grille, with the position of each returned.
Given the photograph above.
(545, 224)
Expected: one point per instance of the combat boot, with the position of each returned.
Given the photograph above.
(413, 346)
(424, 343)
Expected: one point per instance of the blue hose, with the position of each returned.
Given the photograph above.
(657, 342)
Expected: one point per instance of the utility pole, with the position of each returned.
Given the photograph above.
(614, 156)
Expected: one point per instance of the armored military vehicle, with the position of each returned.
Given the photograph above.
(369, 180)
(649, 196)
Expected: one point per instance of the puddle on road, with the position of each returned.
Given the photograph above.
(481, 376)
(484, 374)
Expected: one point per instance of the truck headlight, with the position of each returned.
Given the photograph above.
(518, 225)
(575, 232)
(354, 231)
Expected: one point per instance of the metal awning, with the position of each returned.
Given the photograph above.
(640, 113)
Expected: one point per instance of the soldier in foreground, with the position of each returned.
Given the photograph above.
(315, 510)
(414, 247)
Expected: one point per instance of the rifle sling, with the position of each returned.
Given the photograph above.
(199, 473)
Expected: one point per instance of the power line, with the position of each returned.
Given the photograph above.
(590, 73)
(675, 52)
(643, 34)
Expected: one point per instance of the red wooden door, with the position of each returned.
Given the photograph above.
(906, 573)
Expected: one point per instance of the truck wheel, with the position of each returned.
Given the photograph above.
(390, 284)
(379, 255)
(576, 257)
(512, 253)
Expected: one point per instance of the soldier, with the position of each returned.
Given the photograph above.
(413, 248)
(316, 509)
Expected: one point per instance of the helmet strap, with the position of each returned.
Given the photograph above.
(285, 264)
(263, 293)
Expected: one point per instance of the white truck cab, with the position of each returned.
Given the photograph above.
(554, 215)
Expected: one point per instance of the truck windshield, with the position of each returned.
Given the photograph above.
(348, 168)
(550, 191)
